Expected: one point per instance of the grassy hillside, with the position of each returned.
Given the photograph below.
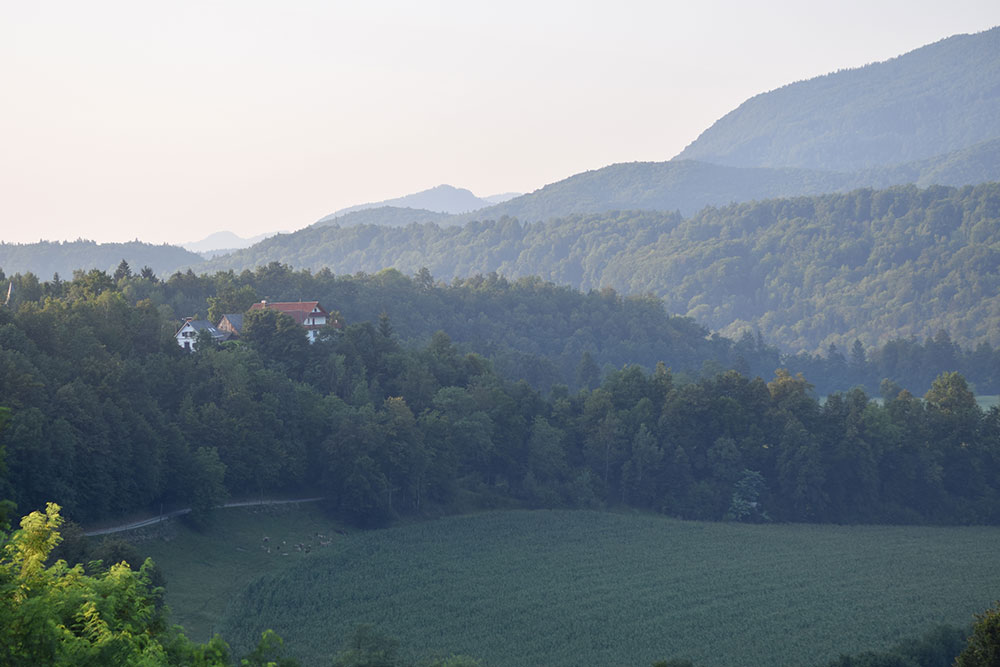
(936, 99)
(586, 588)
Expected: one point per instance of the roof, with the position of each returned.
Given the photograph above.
(203, 325)
(298, 310)
(235, 319)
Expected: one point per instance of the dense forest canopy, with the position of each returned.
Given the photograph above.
(110, 415)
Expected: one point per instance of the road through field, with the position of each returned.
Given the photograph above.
(142, 523)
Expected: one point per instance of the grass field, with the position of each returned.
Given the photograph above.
(206, 569)
(588, 588)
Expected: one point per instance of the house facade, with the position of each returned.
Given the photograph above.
(188, 333)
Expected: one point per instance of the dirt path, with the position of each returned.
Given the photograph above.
(169, 515)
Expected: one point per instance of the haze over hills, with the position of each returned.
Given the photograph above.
(441, 199)
(46, 258)
(937, 99)
(586, 242)
(222, 242)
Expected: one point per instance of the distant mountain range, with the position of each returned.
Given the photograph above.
(440, 199)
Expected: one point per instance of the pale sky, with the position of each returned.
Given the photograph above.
(167, 121)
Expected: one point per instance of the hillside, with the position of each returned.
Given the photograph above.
(806, 272)
(937, 99)
(588, 588)
(46, 258)
(386, 216)
(440, 199)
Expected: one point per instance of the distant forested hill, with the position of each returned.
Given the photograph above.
(388, 216)
(937, 99)
(871, 264)
(46, 258)
(440, 199)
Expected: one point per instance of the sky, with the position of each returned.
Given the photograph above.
(168, 121)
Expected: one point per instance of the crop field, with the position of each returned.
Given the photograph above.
(206, 568)
(590, 588)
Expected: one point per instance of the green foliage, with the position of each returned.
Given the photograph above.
(936, 648)
(58, 615)
(983, 649)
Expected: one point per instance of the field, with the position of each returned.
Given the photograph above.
(206, 569)
(589, 588)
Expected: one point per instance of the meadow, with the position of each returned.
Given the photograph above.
(207, 567)
(592, 588)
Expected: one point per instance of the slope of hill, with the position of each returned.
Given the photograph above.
(590, 588)
(387, 216)
(220, 242)
(441, 199)
(689, 185)
(937, 99)
(680, 185)
(806, 271)
(48, 257)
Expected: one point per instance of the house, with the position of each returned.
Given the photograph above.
(231, 323)
(307, 314)
(188, 332)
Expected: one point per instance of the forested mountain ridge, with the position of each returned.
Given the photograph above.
(936, 99)
(46, 258)
(388, 216)
(806, 272)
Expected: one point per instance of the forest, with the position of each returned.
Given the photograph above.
(872, 265)
(109, 415)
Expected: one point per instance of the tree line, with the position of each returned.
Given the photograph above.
(110, 415)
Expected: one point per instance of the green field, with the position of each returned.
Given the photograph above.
(205, 569)
(589, 588)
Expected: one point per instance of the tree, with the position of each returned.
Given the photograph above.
(123, 271)
(367, 647)
(61, 616)
(983, 649)
(588, 375)
(207, 479)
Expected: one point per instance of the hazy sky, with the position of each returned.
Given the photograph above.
(167, 121)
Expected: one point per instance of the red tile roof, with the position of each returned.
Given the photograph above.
(298, 310)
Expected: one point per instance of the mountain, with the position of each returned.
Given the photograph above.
(441, 199)
(63, 257)
(679, 185)
(222, 242)
(388, 216)
(940, 98)
(502, 197)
